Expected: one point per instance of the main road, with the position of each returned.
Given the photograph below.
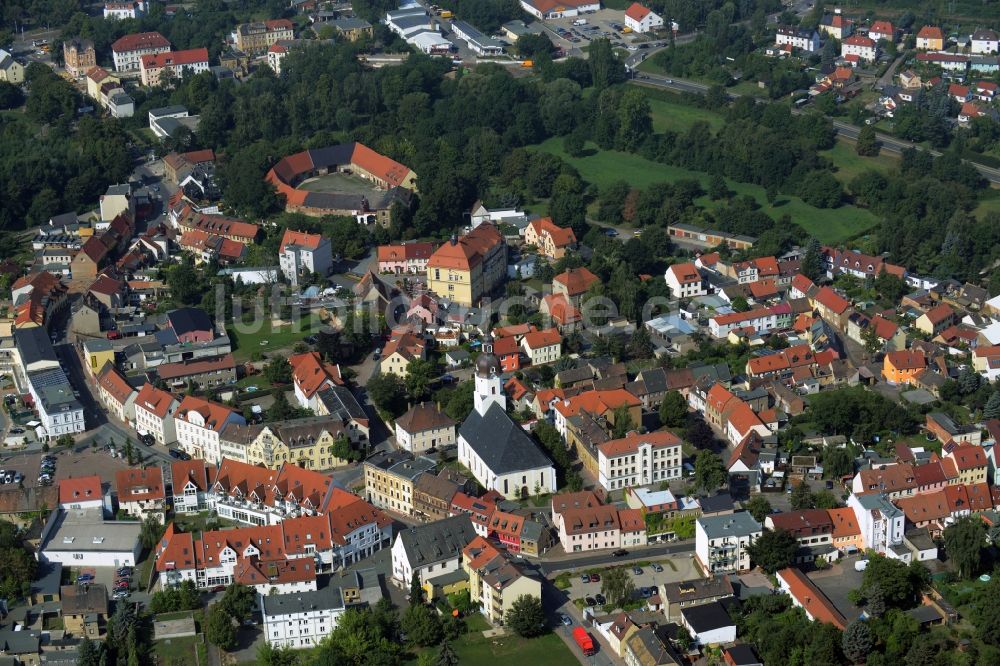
(846, 130)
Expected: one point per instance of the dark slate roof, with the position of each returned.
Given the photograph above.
(715, 503)
(328, 598)
(501, 443)
(437, 541)
(34, 345)
(186, 320)
(707, 617)
(20, 642)
(341, 402)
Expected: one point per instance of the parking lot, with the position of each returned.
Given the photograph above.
(672, 569)
(69, 464)
(602, 23)
(838, 581)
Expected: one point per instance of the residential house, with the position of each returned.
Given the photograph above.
(424, 426)
(404, 258)
(862, 47)
(881, 524)
(551, 240)
(944, 428)
(584, 523)
(430, 550)
(302, 253)
(83, 492)
(984, 42)
(936, 320)
(809, 598)
(390, 477)
(157, 68)
(812, 529)
(433, 493)
(199, 424)
(836, 25)
(930, 38)
(127, 51)
(804, 39)
(116, 394)
(84, 610)
(253, 38)
(971, 462)
(882, 30)
(831, 306)
(154, 414)
(191, 481)
(846, 532)
(543, 346)
(684, 594)
(141, 492)
(402, 348)
(902, 367)
(684, 281)
(495, 582)
(214, 371)
(11, 71)
(986, 361)
(722, 542)
(573, 284)
(79, 56)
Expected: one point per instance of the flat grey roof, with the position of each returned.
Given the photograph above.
(327, 598)
(86, 530)
(740, 523)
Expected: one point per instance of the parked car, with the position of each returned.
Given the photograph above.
(174, 453)
(16, 431)
(565, 620)
(85, 578)
(637, 571)
(590, 601)
(600, 599)
(585, 578)
(657, 568)
(595, 578)
(621, 552)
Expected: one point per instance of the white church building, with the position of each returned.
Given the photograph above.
(498, 452)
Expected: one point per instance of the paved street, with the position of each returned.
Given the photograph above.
(603, 558)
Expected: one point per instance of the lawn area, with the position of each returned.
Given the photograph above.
(849, 164)
(181, 651)
(269, 339)
(989, 203)
(677, 117)
(474, 648)
(602, 167)
(749, 88)
(197, 522)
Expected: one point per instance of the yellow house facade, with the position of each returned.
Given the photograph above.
(465, 269)
(309, 446)
(96, 353)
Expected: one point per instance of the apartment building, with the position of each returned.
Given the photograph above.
(722, 542)
(639, 460)
(390, 478)
(199, 425)
(154, 414)
(252, 38)
(466, 268)
(127, 51)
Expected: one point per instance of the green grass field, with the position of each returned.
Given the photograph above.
(474, 648)
(849, 164)
(990, 203)
(679, 117)
(269, 339)
(605, 166)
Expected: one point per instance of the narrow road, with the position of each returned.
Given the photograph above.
(578, 561)
(846, 130)
(886, 79)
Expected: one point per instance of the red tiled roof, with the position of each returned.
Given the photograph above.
(743, 419)
(82, 489)
(194, 471)
(213, 413)
(380, 166)
(561, 310)
(685, 273)
(301, 238)
(930, 32)
(925, 507)
(845, 523)
(597, 402)
(858, 40)
(968, 456)
(169, 371)
(561, 236)
(544, 338)
(467, 251)
(405, 251)
(310, 373)
(815, 603)
(576, 280)
(154, 400)
(114, 383)
(174, 58)
(142, 40)
(138, 485)
(939, 313)
(831, 300)
(636, 12)
(906, 359)
(631, 442)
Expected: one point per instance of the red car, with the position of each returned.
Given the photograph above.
(595, 578)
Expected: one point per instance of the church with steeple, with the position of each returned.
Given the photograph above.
(498, 451)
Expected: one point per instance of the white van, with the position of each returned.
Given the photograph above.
(580, 21)
(861, 565)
